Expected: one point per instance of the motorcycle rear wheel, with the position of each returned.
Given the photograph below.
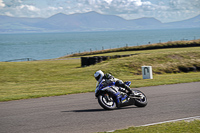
(106, 102)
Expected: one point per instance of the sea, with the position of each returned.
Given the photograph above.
(40, 46)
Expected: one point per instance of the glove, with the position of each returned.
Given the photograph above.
(108, 76)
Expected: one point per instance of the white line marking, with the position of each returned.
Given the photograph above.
(189, 118)
(186, 119)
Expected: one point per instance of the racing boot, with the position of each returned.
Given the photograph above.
(130, 92)
(118, 103)
(116, 99)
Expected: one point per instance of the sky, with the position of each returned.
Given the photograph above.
(163, 10)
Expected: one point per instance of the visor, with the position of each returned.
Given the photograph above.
(98, 77)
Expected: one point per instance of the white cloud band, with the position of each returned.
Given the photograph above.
(130, 9)
(2, 4)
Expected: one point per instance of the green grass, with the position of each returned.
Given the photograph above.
(172, 127)
(22, 80)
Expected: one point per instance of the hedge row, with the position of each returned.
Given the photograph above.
(174, 44)
(87, 61)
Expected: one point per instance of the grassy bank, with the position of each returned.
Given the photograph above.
(21, 80)
(174, 44)
(173, 127)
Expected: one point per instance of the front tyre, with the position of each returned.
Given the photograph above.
(106, 102)
(141, 101)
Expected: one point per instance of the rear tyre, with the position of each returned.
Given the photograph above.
(106, 102)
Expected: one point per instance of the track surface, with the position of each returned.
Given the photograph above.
(80, 113)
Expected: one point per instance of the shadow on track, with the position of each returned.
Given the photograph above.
(86, 110)
(97, 110)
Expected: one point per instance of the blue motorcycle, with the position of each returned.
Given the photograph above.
(107, 101)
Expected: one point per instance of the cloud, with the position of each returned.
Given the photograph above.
(1, 3)
(115, 6)
(28, 8)
(166, 10)
(19, 8)
(109, 1)
(27, 11)
(184, 5)
(179, 10)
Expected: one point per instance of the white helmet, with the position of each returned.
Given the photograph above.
(99, 75)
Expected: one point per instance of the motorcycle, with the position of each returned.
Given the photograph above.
(107, 101)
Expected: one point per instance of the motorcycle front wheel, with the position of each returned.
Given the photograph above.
(106, 102)
(141, 101)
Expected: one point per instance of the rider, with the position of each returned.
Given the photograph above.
(108, 79)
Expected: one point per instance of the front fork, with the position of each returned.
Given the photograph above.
(107, 97)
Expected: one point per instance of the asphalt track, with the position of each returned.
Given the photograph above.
(80, 113)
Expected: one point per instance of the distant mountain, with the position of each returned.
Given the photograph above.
(147, 23)
(91, 21)
(15, 24)
(189, 23)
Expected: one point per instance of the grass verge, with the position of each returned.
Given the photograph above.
(172, 127)
(22, 80)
